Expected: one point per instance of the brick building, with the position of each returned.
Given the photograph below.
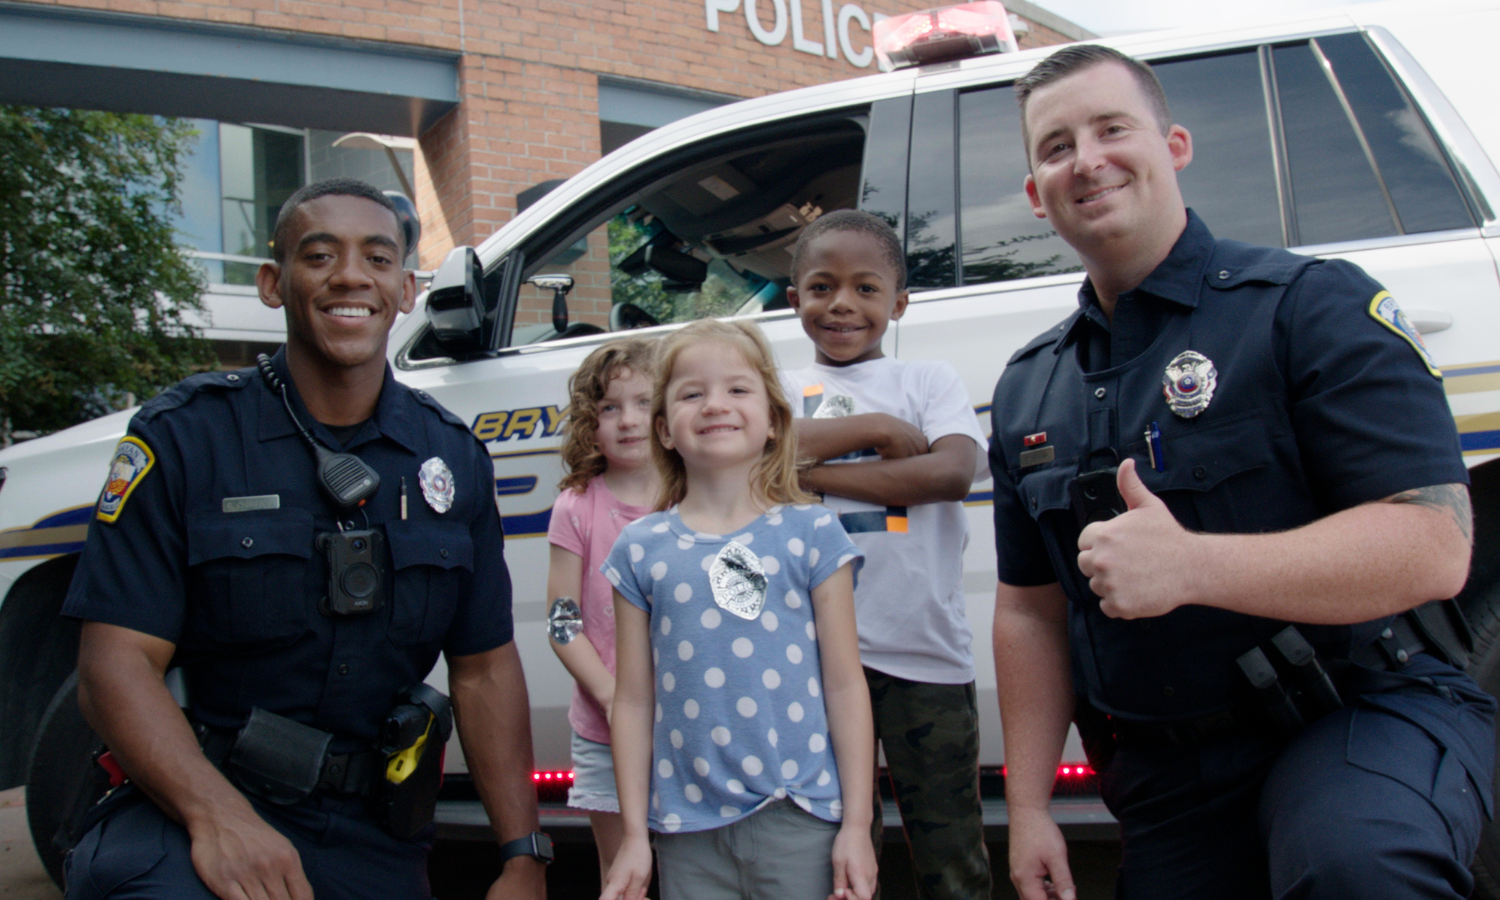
(468, 103)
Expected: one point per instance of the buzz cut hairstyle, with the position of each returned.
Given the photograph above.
(332, 187)
(861, 222)
(1074, 59)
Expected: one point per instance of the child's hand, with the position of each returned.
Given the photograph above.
(854, 868)
(899, 439)
(631, 873)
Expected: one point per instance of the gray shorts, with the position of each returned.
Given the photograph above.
(593, 777)
(777, 853)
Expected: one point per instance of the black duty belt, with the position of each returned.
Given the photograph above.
(340, 773)
(1391, 651)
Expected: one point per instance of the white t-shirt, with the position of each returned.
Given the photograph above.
(910, 599)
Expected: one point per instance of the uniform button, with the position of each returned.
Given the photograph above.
(343, 668)
(1200, 473)
(1167, 691)
(1387, 634)
(247, 543)
(1402, 656)
(1033, 503)
(1100, 392)
(443, 553)
(1223, 274)
(232, 377)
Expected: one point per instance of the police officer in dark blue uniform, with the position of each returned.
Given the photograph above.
(304, 615)
(1220, 487)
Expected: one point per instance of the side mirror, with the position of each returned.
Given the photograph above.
(455, 303)
(559, 285)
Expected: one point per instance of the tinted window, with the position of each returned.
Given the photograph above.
(1231, 181)
(1001, 238)
(930, 220)
(1426, 196)
(1336, 194)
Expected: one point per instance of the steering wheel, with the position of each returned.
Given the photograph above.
(625, 316)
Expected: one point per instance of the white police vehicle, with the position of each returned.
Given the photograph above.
(1366, 134)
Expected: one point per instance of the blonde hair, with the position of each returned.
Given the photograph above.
(581, 455)
(775, 476)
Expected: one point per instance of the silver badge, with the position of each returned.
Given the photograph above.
(564, 620)
(436, 480)
(1189, 383)
(738, 581)
(835, 406)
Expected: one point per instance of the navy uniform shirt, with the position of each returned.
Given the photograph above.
(238, 591)
(1319, 406)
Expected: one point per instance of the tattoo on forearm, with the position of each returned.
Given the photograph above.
(1450, 498)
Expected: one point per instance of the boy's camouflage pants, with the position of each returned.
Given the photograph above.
(931, 738)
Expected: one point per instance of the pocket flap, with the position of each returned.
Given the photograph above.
(1046, 489)
(446, 545)
(1198, 458)
(217, 535)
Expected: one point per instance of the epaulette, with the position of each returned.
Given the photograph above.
(1050, 336)
(187, 388)
(447, 415)
(1235, 263)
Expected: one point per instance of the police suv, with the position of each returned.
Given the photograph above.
(1366, 134)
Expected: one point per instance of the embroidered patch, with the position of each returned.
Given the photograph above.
(1383, 309)
(132, 460)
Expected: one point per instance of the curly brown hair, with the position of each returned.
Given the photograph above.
(775, 476)
(581, 455)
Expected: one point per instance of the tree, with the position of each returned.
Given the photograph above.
(93, 283)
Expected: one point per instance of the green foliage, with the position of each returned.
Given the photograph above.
(93, 284)
(722, 293)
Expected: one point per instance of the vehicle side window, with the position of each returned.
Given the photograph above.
(1426, 196)
(930, 221)
(1231, 182)
(1000, 237)
(712, 238)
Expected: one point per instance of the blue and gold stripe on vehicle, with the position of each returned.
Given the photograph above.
(55, 535)
(1478, 433)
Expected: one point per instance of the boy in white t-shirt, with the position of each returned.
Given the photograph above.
(895, 448)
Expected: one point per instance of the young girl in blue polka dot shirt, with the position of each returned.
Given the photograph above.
(741, 725)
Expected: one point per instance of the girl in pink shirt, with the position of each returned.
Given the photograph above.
(610, 482)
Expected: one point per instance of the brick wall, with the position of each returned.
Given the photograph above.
(528, 88)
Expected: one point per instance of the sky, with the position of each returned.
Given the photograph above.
(1106, 17)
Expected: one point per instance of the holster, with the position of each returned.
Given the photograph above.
(415, 740)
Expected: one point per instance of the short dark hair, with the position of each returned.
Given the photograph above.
(853, 220)
(332, 187)
(1078, 57)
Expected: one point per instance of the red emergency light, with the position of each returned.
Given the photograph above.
(551, 777)
(939, 35)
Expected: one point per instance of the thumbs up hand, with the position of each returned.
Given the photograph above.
(1139, 562)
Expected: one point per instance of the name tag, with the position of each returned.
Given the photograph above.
(246, 504)
(1038, 456)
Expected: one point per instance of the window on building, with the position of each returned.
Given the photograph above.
(237, 177)
(629, 109)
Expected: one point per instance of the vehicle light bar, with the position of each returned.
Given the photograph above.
(939, 35)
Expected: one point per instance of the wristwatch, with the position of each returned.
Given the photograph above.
(536, 845)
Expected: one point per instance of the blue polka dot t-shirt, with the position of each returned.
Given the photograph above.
(740, 720)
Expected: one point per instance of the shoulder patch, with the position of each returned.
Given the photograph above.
(132, 460)
(1383, 309)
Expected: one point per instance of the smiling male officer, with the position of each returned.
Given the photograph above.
(1283, 453)
(300, 621)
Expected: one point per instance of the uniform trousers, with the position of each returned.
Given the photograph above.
(930, 734)
(136, 853)
(1371, 801)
